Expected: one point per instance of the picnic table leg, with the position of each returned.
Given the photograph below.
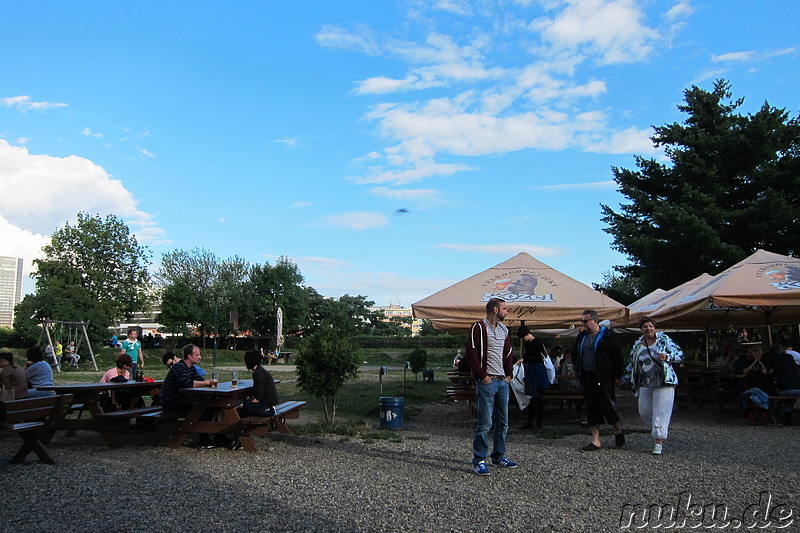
(177, 439)
(31, 443)
(232, 417)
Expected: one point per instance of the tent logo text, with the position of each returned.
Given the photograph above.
(517, 297)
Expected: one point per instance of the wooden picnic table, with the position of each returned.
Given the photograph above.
(86, 396)
(222, 401)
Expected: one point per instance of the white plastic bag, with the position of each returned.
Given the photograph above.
(518, 386)
(551, 370)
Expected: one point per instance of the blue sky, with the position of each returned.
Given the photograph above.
(390, 149)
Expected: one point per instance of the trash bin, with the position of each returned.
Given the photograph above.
(392, 412)
(427, 376)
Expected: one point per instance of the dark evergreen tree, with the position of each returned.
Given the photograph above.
(732, 187)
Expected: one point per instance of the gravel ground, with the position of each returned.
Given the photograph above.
(422, 483)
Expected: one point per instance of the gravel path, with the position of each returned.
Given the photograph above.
(422, 483)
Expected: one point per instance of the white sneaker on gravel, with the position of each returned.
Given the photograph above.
(658, 449)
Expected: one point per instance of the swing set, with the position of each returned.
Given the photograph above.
(73, 334)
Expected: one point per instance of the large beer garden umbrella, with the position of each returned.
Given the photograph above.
(535, 293)
(761, 290)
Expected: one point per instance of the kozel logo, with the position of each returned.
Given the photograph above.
(520, 290)
(785, 279)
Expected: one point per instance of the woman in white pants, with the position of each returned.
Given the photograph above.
(651, 373)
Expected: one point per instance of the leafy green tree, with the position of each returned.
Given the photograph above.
(179, 306)
(95, 271)
(418, 360)
(426, 329)
(733, 186)
(273, 286)
(195, 272)
(326, 360)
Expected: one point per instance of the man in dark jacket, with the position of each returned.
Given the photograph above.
(599, 365)
(489, 355)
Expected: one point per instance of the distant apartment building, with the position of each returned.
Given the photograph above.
(10, 288)
(396, 311)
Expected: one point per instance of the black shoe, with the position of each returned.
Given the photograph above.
(205, 443)
(590, 447)
(619, 439)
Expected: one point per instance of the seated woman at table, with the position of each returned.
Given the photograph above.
(12, 377)
(727, 359)
(38, 373)
(787, 380)
(265, 395)
(112, 401)
(755, 384)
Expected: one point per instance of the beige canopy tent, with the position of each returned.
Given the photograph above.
(761, 290)
(535, 294)
(660, 299)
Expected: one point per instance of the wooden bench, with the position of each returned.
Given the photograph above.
(278, 420)
(30, 418)
(776, 399)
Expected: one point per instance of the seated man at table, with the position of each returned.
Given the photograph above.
(265, 395)
(182, 375)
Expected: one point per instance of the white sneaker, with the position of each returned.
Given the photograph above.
(658, 449)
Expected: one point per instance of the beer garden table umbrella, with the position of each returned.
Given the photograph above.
(536, 295)
(762, 290)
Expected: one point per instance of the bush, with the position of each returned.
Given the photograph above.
(418, 359)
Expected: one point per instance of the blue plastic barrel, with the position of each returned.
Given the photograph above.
(392, 412)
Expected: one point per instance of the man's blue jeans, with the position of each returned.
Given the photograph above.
(492, 403)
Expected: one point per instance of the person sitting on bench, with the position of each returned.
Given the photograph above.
(265, 395)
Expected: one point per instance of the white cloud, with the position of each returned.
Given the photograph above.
(632, 140)
(422, 170)
(88, 133)
(359, 220)
(610, 30)
(679, 10)
(288, 141)
(459, 7)
(751, 56)
(17, 242)
(23, 140)
(734, 57)
(494, 104)
(296, 205)
(39, 193)
(144, 152)
(338, 37)
(24, 103)
(504, 249)
(384, 85)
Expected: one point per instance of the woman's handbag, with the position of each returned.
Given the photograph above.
(662, 374)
